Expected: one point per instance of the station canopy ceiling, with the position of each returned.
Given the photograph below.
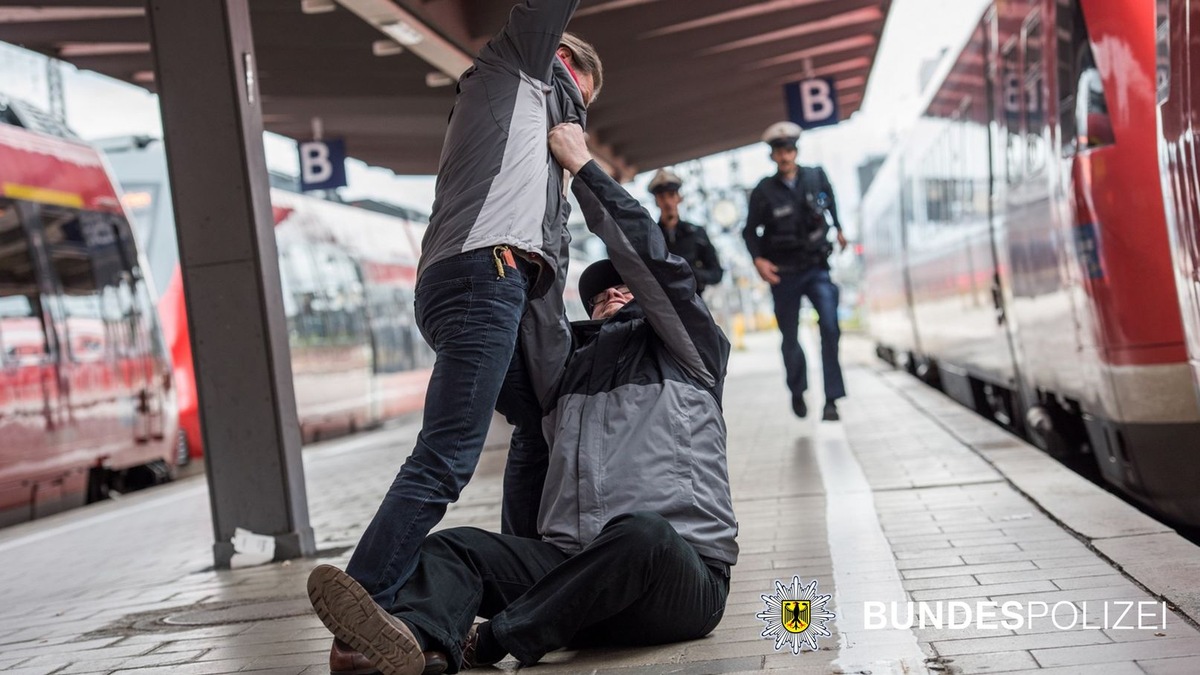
(683, 78)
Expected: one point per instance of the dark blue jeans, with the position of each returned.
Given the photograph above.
(469, 314)
(823, 294)
(637, 583)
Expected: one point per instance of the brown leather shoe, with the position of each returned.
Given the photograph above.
(348, 611)
(469, 647)
(343, 660)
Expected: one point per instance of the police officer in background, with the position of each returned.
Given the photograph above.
(684, 239)
(786, 232)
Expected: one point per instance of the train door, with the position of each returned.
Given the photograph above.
(904, 216)
(126, 298)
(98, 383)
(1003, 67)
(30, 411)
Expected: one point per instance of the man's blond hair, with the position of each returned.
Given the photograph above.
(585, 60)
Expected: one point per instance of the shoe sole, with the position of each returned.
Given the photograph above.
(353, 617)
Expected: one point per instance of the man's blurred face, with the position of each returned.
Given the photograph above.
(585, 81)
(610, 301)
(668, 203)
(784, 158)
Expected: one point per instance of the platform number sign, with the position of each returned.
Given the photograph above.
(812, 103)
(322, 164)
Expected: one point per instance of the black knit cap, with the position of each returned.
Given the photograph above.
(597, 278)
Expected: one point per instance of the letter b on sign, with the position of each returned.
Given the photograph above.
(322, 165)
(812, 103)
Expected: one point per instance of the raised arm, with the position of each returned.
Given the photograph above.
(662, 283)
(532, 35)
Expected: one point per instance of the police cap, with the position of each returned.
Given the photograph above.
(665, 180)
(782, 135)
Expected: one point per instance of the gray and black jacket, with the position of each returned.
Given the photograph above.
(497, 181)
(637, 424)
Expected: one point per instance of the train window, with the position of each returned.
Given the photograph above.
(22, 333)
(1068, 36)
(79, 304)
(1094, 127)
(325, 304)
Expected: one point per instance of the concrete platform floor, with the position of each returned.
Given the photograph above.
(909, 499)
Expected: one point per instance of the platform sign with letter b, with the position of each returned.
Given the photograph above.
(812, 103)
(322, 164)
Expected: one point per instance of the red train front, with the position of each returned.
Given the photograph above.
(1034, 246)
(86, 400)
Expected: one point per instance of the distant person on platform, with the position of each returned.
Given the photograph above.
(684, 239)
(489, 291)
(787, 234)
(637, 522)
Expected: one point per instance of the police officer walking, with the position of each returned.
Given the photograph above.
(786, 233)
(684, 239)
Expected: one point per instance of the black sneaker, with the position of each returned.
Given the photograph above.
(798, 406)
(831, 413)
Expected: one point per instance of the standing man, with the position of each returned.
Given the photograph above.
(786, 234)
(492, 270)
(684, 239)
(637, 518)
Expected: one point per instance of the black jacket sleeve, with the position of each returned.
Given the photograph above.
(827, 188)
(532, 35)
(662, 283)
(756, 216)
(709, 271)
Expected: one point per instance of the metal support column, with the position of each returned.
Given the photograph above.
(212, 122)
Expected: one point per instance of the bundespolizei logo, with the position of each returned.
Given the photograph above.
(796, 614)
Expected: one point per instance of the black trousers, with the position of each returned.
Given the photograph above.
(637, 583)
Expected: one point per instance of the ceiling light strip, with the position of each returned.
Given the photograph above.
(415, 35)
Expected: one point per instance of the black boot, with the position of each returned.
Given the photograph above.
(798, 405)
(831, 413)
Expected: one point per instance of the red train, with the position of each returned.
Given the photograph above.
(348, 276)
(86, 398)
(1017, 248)
(1179, 122)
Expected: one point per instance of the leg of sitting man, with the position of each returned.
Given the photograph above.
(466, 572)
(637, 583)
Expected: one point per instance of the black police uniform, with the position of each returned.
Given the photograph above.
(794, 238)
(691, 243)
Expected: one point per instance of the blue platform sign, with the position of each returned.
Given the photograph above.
(812, 103)
(323, 164)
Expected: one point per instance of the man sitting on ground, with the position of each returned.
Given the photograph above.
(637, 523)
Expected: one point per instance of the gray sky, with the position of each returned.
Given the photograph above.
(916, 31)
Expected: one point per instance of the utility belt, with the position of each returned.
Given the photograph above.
(799, 257)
